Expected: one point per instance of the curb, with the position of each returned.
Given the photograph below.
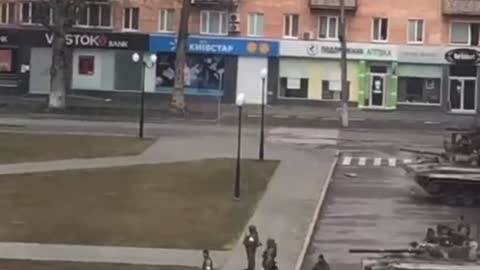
(311, 227)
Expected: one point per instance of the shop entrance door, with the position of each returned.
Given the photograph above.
(377, 90)
(463, 94)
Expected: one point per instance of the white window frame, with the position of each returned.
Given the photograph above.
(87, 10)
(222, 32)
(7, 6)
(328, 27)
(469, 23)
(291, 15)
(162, 16)
(30, 22)
(255, 16)
(380, 30)
(416, 20)
(130, 29)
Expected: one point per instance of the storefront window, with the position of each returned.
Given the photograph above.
(202, 72)
(86, 65)
(293, 87)
(419, 90)
(332, 90)
(6, 61)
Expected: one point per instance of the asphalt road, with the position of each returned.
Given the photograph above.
(376, 209)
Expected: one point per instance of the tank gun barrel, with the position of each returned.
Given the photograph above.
(422, 152)
(382, 251)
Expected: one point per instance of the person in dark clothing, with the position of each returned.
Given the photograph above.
(207, 261)
(321, 264)
(269, 256)
(251, 243)
(431, 238)
(463, 226)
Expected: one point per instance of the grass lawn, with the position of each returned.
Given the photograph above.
(46, 265)
(177, 205)
(23, 147)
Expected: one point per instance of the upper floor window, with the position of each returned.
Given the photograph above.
(7, 13)
(380, 29)
(34, 13)
(165, 19)
(255, 24)
(213, 22)
(96, 15)
(415, 31)
(328, 27)
(130, 18)
(464, 33)
(290, 25)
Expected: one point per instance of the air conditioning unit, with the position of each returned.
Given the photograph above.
(234, 22)
(308, 35)
(234, 28)
(234, 18)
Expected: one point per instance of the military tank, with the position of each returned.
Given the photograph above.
(424, 256)
(454, 174)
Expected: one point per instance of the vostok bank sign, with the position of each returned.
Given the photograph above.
(91, 41)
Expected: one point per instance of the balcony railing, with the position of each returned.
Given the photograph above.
(218, 3)
(461, 7)
(332, 4)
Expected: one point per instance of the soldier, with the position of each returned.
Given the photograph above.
(251, 243)
(207, 261)
(431, 238)
(463, 225)
(269, 255)
(321, 264)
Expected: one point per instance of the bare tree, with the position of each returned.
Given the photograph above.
(64, 14)
(178, 95)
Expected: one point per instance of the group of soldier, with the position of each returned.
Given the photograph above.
(251, 241)
(446, 236)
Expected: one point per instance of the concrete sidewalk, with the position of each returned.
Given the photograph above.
(106, 254)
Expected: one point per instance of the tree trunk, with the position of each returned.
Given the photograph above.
(58, 78)
(178, 95)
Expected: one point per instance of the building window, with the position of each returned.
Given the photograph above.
(332, 90)
(465, 33)
(86, 65)
(7, 13)
(415, 31)
(419, 90)
(213, 22)
(255, 24)
(290, 25)
(6, 61)
(328, 27)
(293, 88)
(34, 13)
(96, 15)
(380, 29)
(130, 18)
(165, 19)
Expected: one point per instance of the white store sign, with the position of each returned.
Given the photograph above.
(356, 51)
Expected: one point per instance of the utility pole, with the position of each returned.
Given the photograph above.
(343, 66)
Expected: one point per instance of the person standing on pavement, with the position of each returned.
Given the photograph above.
(321, 264)
(207, 261)
(251, 243)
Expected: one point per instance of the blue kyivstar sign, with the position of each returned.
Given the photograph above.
(225, 46)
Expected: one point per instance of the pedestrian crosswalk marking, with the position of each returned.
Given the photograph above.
(392, 162)
(347, 161)
(362, 161)
(373, 161)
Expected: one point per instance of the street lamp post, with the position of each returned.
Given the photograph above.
(145, 64)
(240, 101)
(261, 151)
